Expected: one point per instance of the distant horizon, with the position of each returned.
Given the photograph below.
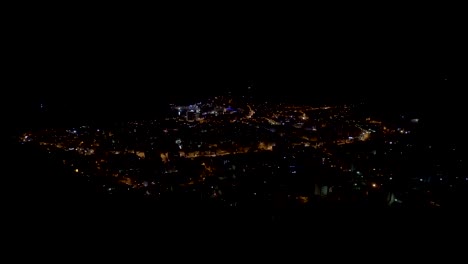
(81, 109)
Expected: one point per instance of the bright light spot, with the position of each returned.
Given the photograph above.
(76, 170)
(374, 185)
(421, 179)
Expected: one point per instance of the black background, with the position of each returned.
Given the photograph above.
(107, 63)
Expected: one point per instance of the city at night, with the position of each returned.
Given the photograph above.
(265, 118)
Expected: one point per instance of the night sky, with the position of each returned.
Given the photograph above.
(107, 67)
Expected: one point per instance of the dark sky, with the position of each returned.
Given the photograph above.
(125, 63)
